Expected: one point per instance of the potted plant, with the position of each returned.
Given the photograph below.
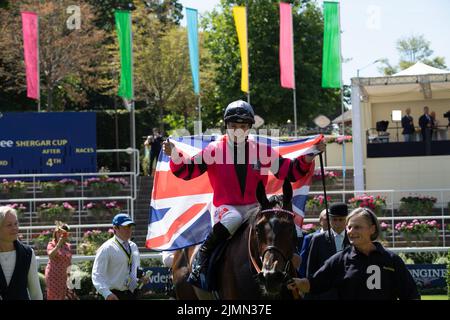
(92, 240)
(69, 185)
(376, 204)
(50, 212)
(419, 232)
(106, 186)
(52, 188)
(385, 229)
(417, 205)
(102, 209)
(317, 204)
(41, 240)
(330, 176)
(13, 189)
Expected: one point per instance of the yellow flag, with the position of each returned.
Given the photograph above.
(240, 19)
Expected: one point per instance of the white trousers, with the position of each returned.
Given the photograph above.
(233, 216)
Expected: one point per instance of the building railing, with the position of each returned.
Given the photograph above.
(391, 214)
(29, 224)
(394, 134)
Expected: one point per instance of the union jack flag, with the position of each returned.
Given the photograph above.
(181, 211)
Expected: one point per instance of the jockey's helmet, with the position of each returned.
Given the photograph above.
(239, 111)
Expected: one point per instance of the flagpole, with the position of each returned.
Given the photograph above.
(342, 109)
(133, 166)
(38, 69)
(199, 115)
(293, 74)
(248, 58)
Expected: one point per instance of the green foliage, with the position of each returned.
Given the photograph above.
(43, 284)
(269, 99)
(92, 240)
(411, 50)
(424, 257)
(151, 262)
(41, 241)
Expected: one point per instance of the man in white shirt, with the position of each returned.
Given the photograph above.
(114, 273)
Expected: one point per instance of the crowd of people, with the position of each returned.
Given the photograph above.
(428, 124)
(343, 260)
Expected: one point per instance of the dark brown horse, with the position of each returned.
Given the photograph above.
(257, 261)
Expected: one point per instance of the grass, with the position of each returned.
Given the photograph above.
(435, 297)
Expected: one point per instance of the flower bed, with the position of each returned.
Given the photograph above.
(58, 188)
(92, 240)
(102, 209)
(330, 176)
(340, 139)
(385, 229)
(417, 205)
(13, 189)
(376, 204)
(106, 186)
(419, 232)
(41, 241)
(317, 204)
(50, 212)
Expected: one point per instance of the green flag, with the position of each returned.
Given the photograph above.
(123, 25)
(331, 64)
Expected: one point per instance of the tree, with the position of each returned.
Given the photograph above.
(411, 50)
(69, 59)
(167, 11)
(271, 101)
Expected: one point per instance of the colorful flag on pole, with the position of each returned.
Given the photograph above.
(331, 66)
(123, 25)
(181, 211)
(192, 28)
(30, 30)
(240, 19)
(286, 47)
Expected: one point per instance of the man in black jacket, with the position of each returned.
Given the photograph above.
(426, 124)
(408, 126)
(322, 247)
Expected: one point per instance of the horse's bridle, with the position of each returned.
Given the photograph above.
(288, 264)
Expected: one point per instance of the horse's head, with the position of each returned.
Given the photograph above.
(275, 237)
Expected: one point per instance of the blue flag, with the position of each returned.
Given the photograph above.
(192, 27)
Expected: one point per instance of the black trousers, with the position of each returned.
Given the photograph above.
(124, 295)
(153, 156)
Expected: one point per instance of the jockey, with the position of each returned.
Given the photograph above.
(235, 167)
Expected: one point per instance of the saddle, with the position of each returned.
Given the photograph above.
(216, 258)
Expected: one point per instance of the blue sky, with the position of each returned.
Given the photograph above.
(372, 27)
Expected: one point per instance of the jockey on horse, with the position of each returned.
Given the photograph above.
(235, 167)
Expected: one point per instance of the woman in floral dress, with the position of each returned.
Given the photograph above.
(60, 258)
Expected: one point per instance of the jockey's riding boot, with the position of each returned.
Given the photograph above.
(218, 234)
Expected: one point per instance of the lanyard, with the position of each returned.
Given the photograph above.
(129, 255)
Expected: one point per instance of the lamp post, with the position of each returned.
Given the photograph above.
(358, 70)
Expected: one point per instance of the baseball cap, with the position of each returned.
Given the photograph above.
(122, 219)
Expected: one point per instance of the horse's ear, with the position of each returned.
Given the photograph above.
(287, 195)
(262, 196)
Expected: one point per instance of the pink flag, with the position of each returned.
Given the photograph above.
(286, 47)
(31, 52)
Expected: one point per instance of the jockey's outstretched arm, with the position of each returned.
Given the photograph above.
(181, 166)
(296, 168)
